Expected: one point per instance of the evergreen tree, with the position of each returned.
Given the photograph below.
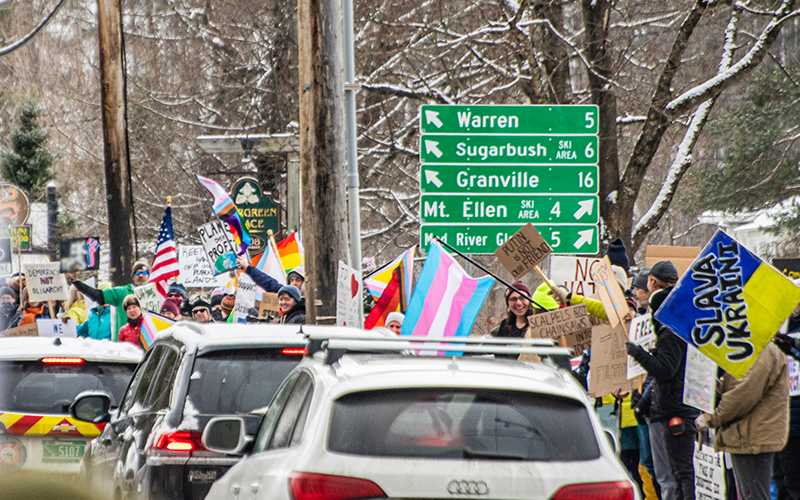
(27, 164)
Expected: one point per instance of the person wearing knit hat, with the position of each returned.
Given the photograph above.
(518, 308)
(394, 321)
(617, 254)
(297, 277)
(640, 290)
(291, 307)
(201, 310)
(177, 291)
(170, 308)
(131, 331)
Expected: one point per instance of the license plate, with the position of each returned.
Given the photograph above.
(63, 450)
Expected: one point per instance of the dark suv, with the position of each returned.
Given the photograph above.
(151, 447)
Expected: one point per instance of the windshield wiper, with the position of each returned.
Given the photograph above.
(493, 455)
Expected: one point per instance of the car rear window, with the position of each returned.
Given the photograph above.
(472, 423)
(237, 381)
(36, 387)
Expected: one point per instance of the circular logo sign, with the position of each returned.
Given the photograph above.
(12, 452)
(14, 205)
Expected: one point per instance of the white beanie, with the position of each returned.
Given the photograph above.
(395, 316)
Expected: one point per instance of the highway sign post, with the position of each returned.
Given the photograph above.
(488, 170)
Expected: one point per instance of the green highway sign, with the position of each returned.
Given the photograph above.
(509, 120)
(578, 239)
(505, 149)
(579, 179)
(509, 209)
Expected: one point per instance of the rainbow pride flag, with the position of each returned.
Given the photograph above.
(291, 251)
(377, 281)
(152, 324)
(227, 212)
(729, 304)
(388, 302)
(446, 299)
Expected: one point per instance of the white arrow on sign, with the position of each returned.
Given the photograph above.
(431, 176)
(585, 237)
(586, 208)
(433, 117)
(430, 147)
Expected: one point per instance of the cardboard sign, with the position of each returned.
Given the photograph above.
(80, 254)
(682, 257)
(709, 473)
(220, 252)
(564, 321)
(30, 330)
(269, 306)
(699, 381)
(148, 298)
(574, 273)
(245, 298)
(523, 251)
(348, 296)
(6, 255)
(195, 272)
(57, 328)
(605, 282)
(608, 369)
(45, 282)
(641, 334)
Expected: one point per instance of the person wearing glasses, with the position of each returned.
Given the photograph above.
(116, 295)
(201, 311)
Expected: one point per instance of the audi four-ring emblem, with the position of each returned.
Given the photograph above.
(456, 487)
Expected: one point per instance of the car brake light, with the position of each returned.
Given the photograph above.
(307, 486)
(620, 490)
(62, 361)
(295, 350)
(179, 441)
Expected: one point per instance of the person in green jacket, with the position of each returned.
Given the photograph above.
(114, 296)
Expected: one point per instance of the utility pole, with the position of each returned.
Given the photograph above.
(322, 152)
(115, 148)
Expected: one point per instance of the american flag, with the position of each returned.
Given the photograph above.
(165, 262)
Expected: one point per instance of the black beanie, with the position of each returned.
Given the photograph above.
(617, 255)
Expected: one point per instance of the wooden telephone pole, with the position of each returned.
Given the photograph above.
(323, 161)
(115, 148)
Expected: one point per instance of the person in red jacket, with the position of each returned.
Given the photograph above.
(130, 332)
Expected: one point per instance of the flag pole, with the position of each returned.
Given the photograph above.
(498, 278)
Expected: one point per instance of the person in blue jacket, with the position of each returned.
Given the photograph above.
(98, 325)
(265, 281)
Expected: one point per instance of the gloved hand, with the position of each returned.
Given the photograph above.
(701, 422)
(785, 343)
(561, 294)
(631, 348)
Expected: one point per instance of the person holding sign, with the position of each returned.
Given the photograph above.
(594, 306)
(672, 436)
(518, 308)
(133, 328)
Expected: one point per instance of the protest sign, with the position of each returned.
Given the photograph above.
(794, 372)
(641, 334)
(608, 366)
(45, 282)
(682, 257)
(709, 473)
(57, 328)
(5, 257)
(195, 272)
(220, 252)
(564, 321)
(523, 251)
(574, 273)
(245, 299)
(605, 282)
(148, 298)
(80, 254)
(699, 381)
(269, 306)
(348, 296)
(29, 330)
(729, 304)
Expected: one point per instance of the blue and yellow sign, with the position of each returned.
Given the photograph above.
(729, 304)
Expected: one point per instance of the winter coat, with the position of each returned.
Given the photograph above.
(753, 413)
(594, 306)
(98, 326)
(130, 333)
(506, 330)
(296, 315)
(265, 281)
(77, 312)
(17, 318)
(218, 316)
(112, 296)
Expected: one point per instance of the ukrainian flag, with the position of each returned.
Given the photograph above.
(729, 304)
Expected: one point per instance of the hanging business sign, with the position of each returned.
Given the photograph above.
(259, 211)
(14, 205)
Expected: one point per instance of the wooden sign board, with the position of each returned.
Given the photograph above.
(29, 330)
(608, 366)
(682, 257)
(523, 251)
(605, 282)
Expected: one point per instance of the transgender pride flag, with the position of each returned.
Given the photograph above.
(445, 300)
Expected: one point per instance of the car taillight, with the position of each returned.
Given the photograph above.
(307, 486)
(620, 490)
(179, 441)
(62, 361)
(295, 350)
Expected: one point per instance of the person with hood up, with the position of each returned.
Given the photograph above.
(394, 321)
(672, 435)
(296, 277)
(133, 327)
(115, 296)
(98, 325)
(8, 306)
(291, 307)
